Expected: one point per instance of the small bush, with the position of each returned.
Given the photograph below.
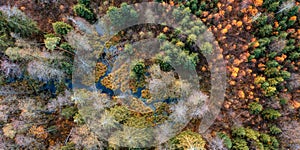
(259, 145)
(252, 134)
(165, 66)
(270, 91)
(226, 140)
(283, 101)
(255, 108)
(61, 28)
(273, 7)
(272, 72)
(67, 67)
(275, 130)
(81, 11)
(162, 37)
(206, 48)
(271, 114)
(240, 144)
(68, 112)
(265, 138)
(265, 30)
(138, 69)
(188, 140)
(67, 46)
(294, 56)
(5, 41)
(51, 42)
(259, 80)
(84, 2)
(273, 81)
(239, 132)
(274, 142)
(285, 74)
(272, 63)
(78, 119)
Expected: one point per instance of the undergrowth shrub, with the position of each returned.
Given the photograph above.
(271, 114)
(188, 140)
(61, 28)
(255, 108)
(81, 11)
